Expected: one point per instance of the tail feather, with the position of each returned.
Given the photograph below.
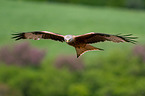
(82, 50)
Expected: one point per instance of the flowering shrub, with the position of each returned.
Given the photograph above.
(21, 54)
(71, 62)
(139, 50)
(5, 90)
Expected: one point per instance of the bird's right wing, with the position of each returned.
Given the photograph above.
(36, 35)
(101, 37)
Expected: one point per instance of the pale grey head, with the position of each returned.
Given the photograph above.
(68, 38)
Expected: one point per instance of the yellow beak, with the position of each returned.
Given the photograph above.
(67, 40)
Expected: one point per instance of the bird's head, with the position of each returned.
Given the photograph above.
(68, 38)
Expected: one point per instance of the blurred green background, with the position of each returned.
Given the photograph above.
(50, 68)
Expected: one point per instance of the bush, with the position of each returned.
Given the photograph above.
(21, 54)
(117, 73)
(71, 62)
(78, 90)
(139, 50)
(135, 4)
(5, 90)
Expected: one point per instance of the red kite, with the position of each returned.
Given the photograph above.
(80, 42)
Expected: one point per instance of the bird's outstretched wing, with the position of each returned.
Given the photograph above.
(100, 37)
(36, 35)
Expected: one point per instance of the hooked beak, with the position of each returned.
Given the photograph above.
(67, 41)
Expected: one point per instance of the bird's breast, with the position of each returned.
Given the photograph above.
(71, 43)
(76, 44)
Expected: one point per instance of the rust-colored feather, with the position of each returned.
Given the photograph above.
(87, 47)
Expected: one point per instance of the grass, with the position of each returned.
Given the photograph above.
(68, 19)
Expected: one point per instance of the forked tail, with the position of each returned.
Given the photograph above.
(81, 50)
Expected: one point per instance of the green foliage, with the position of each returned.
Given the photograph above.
(6, 90)
(136, 4)
(114, 3)
(111, 75)
(35, 82)
(78, 90)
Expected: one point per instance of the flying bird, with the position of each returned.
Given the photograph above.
(81, 42)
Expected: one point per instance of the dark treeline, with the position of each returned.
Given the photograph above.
(134, 4)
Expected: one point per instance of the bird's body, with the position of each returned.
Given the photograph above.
(80, 42)
(79, 46)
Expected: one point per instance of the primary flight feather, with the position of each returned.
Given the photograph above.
(80, 42)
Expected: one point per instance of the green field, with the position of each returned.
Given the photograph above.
(66, 19)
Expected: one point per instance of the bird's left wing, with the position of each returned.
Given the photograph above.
(101, 37)
(36, 35)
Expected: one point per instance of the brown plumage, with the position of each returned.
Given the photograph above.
(36, 35)
(80, 42)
